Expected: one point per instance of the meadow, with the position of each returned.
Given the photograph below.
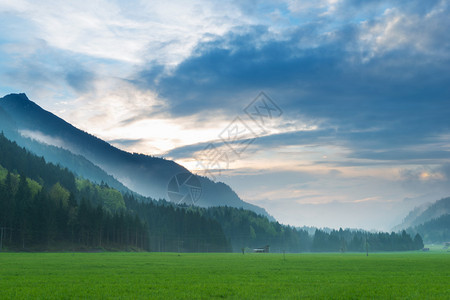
(410, 275)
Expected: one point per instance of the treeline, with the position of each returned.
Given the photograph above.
(246, 229)
(360, 241)
(178, 229)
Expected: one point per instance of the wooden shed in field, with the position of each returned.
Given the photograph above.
(262, 250)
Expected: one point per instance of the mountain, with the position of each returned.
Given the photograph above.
(434, 231)
(431, 221)
(425, 213)
(146, 175)
(57, 155)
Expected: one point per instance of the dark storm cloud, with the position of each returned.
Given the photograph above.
(321, 81)
(397, 96)
(219, 72)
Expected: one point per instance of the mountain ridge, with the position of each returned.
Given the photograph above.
(425, 213)
(430, 220)
(146, 175)
(57, 155)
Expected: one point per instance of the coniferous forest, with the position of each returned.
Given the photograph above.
(46, 207)
(43, 206)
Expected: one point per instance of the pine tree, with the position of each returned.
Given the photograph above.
(418, 242)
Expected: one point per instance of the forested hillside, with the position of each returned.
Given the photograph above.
(57, 155)
(434, 231)
(45, 207)
(431, 221)
(425, 213)
(42, 209)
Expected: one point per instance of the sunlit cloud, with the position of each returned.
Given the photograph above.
(363, 87)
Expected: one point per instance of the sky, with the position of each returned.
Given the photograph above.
(326, 113)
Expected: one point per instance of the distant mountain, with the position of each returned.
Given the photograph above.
(434, 231)
(143, 174)
(431, 221)
(425, 213)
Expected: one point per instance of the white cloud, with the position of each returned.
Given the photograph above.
(322, 7)
(396, 29)
(115, 109)
(127, 31)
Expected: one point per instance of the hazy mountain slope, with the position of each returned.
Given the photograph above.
(6, 122)
(425, 213)
(76, 163)
(434, 231)
(435, 210)
(146, 175)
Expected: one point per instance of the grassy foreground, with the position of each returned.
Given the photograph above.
(168, 275)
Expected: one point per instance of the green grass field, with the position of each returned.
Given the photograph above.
(168, 275)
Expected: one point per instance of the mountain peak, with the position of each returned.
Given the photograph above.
(16, 97)
(15, 101)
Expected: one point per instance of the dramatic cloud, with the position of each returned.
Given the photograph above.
(363, 87)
